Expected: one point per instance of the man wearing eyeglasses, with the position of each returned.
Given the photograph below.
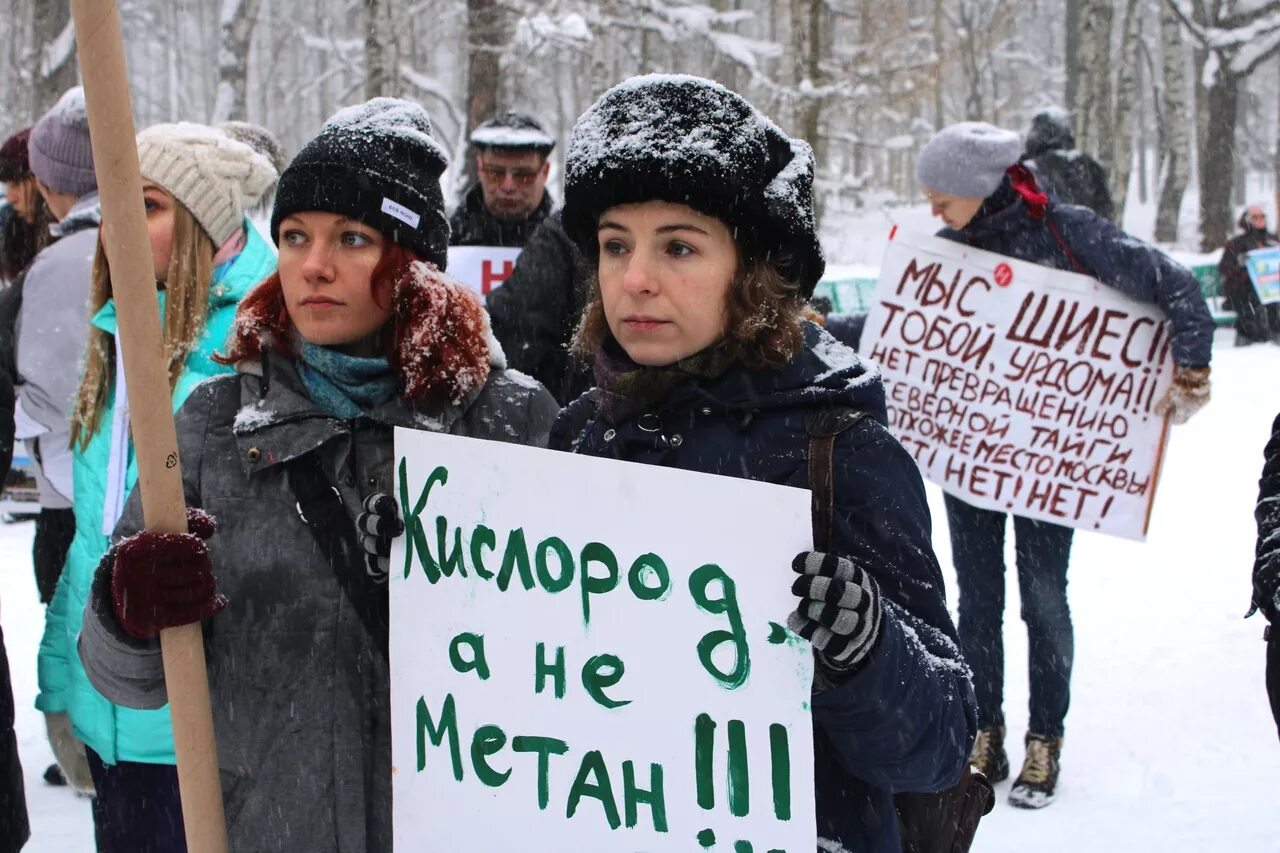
(536, 309)
(510, 200)
(1255, 322)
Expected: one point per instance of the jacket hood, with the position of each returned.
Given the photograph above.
(824, 374)
(1050, 131)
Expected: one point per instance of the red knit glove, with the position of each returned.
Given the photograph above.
(162, 580)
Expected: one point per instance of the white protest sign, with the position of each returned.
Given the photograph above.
(1022, 388)
(482, 268)
(590, 655)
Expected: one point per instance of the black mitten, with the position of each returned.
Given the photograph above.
(840, 609)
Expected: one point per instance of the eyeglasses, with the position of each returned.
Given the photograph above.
(521, 177)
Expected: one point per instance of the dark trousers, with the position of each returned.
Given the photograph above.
(1255, 322)
(1043, 551)
(1273, 672)
(137, 809)
(55, 528)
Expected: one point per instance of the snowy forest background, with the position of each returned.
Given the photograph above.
(1174, 94)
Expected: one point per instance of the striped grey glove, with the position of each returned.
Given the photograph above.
(376, 527)
(840, 609)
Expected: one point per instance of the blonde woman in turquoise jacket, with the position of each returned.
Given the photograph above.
(197, 184)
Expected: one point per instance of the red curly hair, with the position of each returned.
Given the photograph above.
(438, 346)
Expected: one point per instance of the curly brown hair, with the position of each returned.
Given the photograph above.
(764, 326)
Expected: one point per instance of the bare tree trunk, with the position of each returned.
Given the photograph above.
(485, 39)
(1176, 151)
(54, 38)
(1121, 140)
(806, 42)
(971, 58)
(1144, 191)
(1093, 117)
(1217, 169)
(1072, 54)
(239, 17)
(939, 115)
(378, 74)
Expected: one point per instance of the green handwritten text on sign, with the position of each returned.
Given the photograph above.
(590, 654)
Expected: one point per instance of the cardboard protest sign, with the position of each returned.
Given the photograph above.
(1022, 388)
(482, 268)
(584, 658)
(1264, 272)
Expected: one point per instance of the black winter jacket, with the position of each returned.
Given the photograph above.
(1266, 564)
(14, 828)
(1236, 284)
(1073, 176)
(535, 312)
(1073, 238)
(473, 225)
(907, 720)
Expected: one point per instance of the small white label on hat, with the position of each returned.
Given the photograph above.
(399, 211)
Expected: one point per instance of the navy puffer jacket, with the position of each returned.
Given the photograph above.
(906, 721)
(1016, 224)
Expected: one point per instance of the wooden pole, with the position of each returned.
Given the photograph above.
(1155, 473)
(124, 237)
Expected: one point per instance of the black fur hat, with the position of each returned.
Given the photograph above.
(379, 164)
(691, 141)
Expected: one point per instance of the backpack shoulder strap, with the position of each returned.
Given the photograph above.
(319, 506)
(822, 426)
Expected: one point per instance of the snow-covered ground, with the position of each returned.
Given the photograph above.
(1170, 745)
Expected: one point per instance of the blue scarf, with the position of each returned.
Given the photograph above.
(343, 385)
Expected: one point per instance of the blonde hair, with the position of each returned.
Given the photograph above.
(186, 307)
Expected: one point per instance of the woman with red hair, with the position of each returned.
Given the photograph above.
(357, 333)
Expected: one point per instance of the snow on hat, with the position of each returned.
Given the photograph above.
(259, 139)
(208, 172)
(1050, 131)
(691, 141)
(514, 131)
(379, 164)
(14, 165)
(968, 159)
(59, 150)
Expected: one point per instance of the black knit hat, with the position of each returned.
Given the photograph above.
(513, 131)
(691, 141)
(377, 163)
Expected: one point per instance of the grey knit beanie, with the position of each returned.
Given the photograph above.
(213, 176)
(968, 159)
(59, 150)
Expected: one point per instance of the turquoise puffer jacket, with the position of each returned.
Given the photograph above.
(114, 732)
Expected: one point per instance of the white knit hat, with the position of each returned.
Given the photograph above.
(208, 172)
(968, 159)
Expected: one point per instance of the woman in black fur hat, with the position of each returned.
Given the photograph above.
(696, 213)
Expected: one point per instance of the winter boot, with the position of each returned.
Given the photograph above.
(988, 754)
(1035, 786)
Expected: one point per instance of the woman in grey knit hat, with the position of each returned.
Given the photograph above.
(971, 176)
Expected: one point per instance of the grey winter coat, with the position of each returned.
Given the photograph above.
(300, 689)
(52, 327)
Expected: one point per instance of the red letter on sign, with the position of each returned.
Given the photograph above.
(490, 279)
